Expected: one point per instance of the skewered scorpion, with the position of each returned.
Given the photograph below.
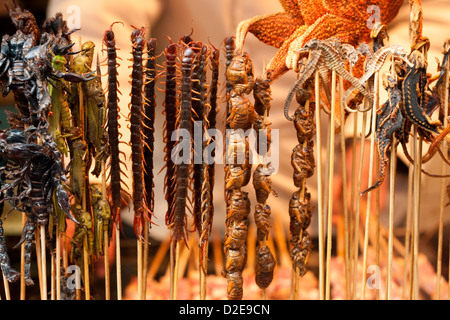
(36, 175)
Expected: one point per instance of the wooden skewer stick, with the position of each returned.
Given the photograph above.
(330, 183)
(319, 186)
(370, 181)
(393, 167)
(105, 239)
(408, 230)
(7, 291)
(357, 206)
(22, 263)
(344, 193)
(44, 262)
(118, 263)
(139, 267)
(58, 264)
(38, 259)
(417, 184)
(145, 259)
(443, 194)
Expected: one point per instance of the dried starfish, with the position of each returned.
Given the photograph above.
(304, 20)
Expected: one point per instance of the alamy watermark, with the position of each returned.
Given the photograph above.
(237, 144)
(375, 17)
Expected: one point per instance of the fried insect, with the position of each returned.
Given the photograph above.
(242, 112)
(238, 207)
(303, 162)
(116, 163)
(262, 220)
(262, 95)
(265, 265)
(262, 182)
(263, 133)
(148, 128)
(101, 212)
(230, 46)
(182, 168)
(240, 73)
(136, 138)
(170, 110)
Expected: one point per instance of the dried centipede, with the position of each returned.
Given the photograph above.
(148, 128)
(170, 110)
(182, 167)
(198, 116)
(136, 138)
(113, 125)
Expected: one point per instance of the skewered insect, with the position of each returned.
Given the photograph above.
(113, 126)
(136, 138)
(265, 265)
(182, 169)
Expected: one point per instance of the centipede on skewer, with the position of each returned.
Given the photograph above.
(116, 164)
(179, 227)
(170, 111)
(148, 128)
(136, 137)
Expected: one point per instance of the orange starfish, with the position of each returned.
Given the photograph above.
(304, 20)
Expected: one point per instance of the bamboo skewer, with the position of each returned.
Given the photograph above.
(443, 193)
(370, 181)
(330, 183)
(344, 192)
(7, 291)
(118, 263)
(44, 262)
(417, 184)
(357, 206)
(319, 186)
(139, 267)
(22, 263)
(393, 167)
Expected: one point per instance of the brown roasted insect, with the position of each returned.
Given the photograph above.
(235, 289)
(240, 73)
(170, 110)
(265, 265)
(136, 138)
(199, 127)
(229, 53)
(262, 95)
(236, 235)
(300, 211)
(212, 115)
(242, 112)
(148, 128)
(301, 249)
(262, 220)
(304, 123)
(239, 206)
(302, 160)
(262, 182)
(182, 168)
(263, 133)
(113, 126)
(235, 176)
